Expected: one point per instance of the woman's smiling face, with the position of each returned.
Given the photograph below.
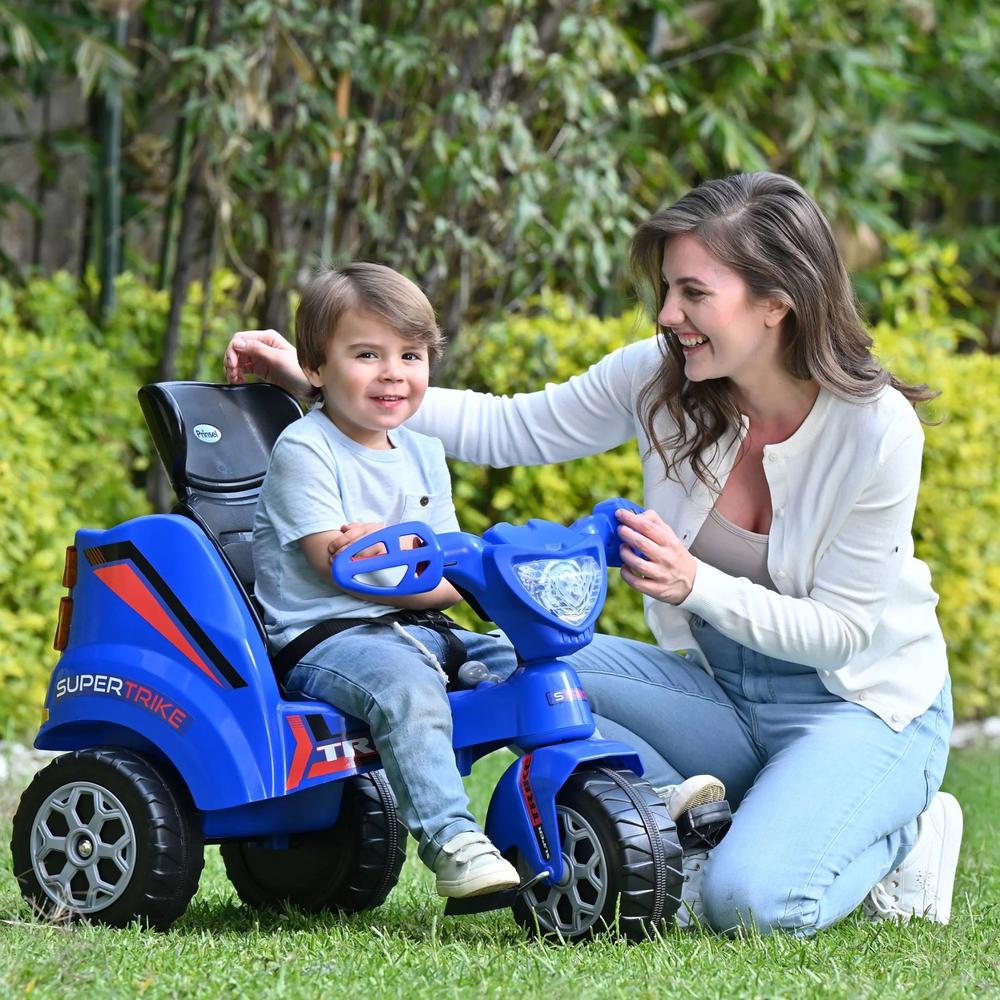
(707, 306)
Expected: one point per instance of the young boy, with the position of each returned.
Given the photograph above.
(366, 339)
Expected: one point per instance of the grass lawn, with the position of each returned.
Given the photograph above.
(407, 948)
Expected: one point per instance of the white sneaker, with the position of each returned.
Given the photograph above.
(691, 912)
(691, 792)
(469, 865)
(696, 791)
(923, 884)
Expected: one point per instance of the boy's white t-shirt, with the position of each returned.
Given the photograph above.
(319, 479)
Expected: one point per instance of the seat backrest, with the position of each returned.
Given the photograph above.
(215, 442)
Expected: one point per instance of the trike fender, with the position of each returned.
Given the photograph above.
(100, 696)
(522, 813)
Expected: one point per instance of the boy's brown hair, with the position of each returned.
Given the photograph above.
(366, 288)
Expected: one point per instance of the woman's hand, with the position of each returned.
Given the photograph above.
(266, 354)
(668, 569)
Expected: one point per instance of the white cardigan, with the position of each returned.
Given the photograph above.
(851, 600)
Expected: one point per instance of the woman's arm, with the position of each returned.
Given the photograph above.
(590, 413)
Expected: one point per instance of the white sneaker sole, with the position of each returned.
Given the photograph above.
(495, 880)
(948, 823)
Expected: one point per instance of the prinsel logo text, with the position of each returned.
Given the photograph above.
(207, 433)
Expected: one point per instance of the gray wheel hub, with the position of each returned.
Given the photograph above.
(573, 905)
(83, 847)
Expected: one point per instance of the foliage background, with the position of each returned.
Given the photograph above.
(491, 149)
(500, 153)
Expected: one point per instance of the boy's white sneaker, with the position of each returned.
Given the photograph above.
(922, 886)
(469, 865)
(696, 791)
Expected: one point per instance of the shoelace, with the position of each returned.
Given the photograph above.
(690, 912)
(883, 902)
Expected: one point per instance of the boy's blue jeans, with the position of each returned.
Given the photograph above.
(825, 794)
(373, 673)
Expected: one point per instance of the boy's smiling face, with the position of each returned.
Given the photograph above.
(373, 379)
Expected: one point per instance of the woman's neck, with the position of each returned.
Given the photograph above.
(776, 404)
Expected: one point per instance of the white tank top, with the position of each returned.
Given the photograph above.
(733, 549)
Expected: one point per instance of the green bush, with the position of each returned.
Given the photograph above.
(75, 449)
(76, 452)
(959, 508)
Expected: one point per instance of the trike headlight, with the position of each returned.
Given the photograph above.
(566, 588)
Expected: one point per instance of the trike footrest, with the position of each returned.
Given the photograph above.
(480, 904)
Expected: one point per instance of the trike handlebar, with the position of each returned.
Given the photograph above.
(423, 566)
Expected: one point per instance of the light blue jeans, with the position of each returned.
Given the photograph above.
(825, 794)
(373, 673)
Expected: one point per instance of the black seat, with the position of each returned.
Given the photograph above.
(215, 442)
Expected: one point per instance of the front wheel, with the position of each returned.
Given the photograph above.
(104, 834)
(621, 862)
(350, 867)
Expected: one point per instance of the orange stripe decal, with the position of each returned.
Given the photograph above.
(123, 580)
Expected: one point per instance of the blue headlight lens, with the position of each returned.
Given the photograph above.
(566, 588)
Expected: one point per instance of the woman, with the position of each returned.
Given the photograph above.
(798, 655)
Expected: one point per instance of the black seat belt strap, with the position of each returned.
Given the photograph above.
(293, 652)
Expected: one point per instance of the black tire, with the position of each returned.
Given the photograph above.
(352, 866)
(104, 834)
(622, 862)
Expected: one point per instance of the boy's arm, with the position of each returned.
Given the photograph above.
(318, 548)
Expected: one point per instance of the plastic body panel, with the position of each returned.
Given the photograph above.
(522, 813)
(163, 655)
(540, 703)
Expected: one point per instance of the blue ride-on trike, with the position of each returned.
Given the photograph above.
(179, 734)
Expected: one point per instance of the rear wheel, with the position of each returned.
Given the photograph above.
(351, 866)
(621, 862)
(104, 834)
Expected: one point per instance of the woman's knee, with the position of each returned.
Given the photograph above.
(744, 893)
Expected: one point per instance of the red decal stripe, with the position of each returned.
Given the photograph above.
(303, 750)
(527, 793)
(322, 767)
(126, 583)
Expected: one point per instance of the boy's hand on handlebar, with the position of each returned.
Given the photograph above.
(358, 529)
(351, 533)
(667, 572)
(267, 355)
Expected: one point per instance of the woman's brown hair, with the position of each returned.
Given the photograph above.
(767, 229)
